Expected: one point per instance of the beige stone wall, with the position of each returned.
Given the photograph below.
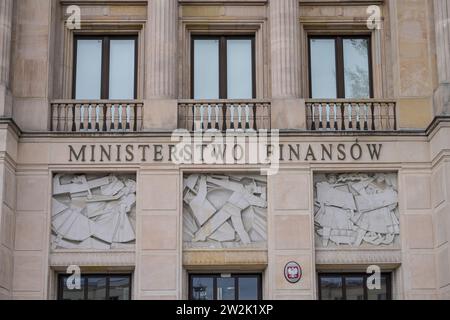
(290, 234)
(440, 190)
(408, 66)
(160, 265)
(158, 252)
(8, 156)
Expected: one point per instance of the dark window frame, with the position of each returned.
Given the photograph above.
(340, 63)
(236, 277)
(223, 72)
(105, 72)
(345, 275)
(85, 278)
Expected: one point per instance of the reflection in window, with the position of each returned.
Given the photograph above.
(202, 288)
(206, 72)
(331, 288)
(105, 68)
(239, 66)
(232, 287)
(340, 67)
(97, 287)
(247, 287)
(323, 67)
(225, 289)
(352, 287)
(89, 69)
(356, 62)
(223, 67)
(119, 288)
(122, 69)
(66, 294)
(379, 294)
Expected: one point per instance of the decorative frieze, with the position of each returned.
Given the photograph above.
(224, 211)
(93, 212)
(356, 209)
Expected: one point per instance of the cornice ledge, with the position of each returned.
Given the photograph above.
(359, 257)
(104, 2)
(92, 258)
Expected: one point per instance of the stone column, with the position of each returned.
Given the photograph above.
(6, 12)
(288, 110)
(7, 176)
(160, 110)
(442, 26)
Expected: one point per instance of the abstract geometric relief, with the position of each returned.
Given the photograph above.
(93, 212)
(224, 211)
(353, 209)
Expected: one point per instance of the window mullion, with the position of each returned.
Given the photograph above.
(105, 68)
(215, 288)
(107, 284)
(344, 288)
(86, 288)
(366, 292)
(340, 71)
(223, 92)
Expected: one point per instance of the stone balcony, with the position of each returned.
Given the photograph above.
(351, 115)
(224, 115)
(96, 116)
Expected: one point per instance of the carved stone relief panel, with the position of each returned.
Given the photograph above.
(356, 209)
(96, 212)
(224, 211)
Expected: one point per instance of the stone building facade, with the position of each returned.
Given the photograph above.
(88, 174)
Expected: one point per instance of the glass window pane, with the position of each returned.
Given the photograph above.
(323, 69)
(354, 288)
(331, 288)
(97, 288)
(88, 69)
(380, 294)
(206, 69)
(240, 70)
(248, 288)
(68, 294)
(119, 288)
(202, 288)
(225, 289)
(122, 69)
(356, 65)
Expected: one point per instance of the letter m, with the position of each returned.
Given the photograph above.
(81, 154)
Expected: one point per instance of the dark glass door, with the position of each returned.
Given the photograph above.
(225, 287)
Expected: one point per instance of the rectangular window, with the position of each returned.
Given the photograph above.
(340, 67)
(223, 67)
(105, 67)
(230, 287)
(97, 287)
(352, 287)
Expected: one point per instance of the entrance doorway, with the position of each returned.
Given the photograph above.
(225, 287)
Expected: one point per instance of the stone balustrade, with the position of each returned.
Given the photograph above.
(345, 115)
(96, 116)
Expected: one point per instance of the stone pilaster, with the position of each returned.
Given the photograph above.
(442, 26)
(161, 66)
(287, 110)
(6, 12)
